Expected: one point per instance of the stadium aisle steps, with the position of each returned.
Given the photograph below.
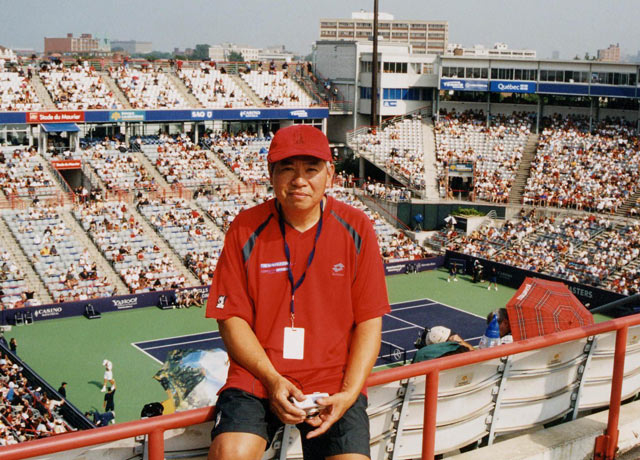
(104, 267)
(223, 167)
(151, 169)
(519, 183)
(430, 170)
(191, 280)
(9, 242)
(247, 90)
(122, 99)
(183, 90)
(623, 210)
(41, 92)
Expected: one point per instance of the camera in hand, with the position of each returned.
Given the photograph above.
(310, 403)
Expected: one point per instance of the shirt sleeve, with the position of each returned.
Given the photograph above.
(229, 294)
(369, 292)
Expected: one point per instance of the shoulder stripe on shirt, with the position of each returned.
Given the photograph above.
(247, 249)
(357, 240)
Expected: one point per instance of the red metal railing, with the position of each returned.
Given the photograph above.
(605, 445)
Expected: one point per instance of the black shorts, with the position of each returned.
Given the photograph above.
(239, 411)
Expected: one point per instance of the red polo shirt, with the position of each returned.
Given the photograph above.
(343, 286)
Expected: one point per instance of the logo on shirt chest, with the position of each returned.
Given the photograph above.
(273, 267)
(337, 269)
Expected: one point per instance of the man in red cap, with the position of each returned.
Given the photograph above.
(298, 293)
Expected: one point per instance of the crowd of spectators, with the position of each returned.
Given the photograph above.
(147, 87)
(387, 192)
(16, 92)
(121, 239)
(495, 150)
(595, 171)
(26, 413)
(277, 89)
(118, 168)
(394, 244)
(14, 291)
(67, 269)
(397, 148)
(180, 161)
(244, 153)
(213, 88)
(78, 87)
(21, 174)
(187, 231)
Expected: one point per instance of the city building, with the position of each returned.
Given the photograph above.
(611, 54)
(223, 52)
(498, 50)
(132, 46)
(425, 37)
(84, 44)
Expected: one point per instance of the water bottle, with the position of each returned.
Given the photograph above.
(491, 336)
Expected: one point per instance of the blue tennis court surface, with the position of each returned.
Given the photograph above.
(400, 329)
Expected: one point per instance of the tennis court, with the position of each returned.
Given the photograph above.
(400, 328)
(72, 349)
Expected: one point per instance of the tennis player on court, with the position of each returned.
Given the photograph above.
(299, 292)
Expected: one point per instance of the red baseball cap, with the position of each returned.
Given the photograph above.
(299, 140)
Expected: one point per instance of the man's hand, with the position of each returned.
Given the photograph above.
(334, 408)
(280, 391)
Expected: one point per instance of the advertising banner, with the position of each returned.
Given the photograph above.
(55, 117)
(67, 164)
(499, 86)
(412, 266)
(463, 85)
(509, 275)
(127, 115)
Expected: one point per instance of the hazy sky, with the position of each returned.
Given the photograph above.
(569, 26)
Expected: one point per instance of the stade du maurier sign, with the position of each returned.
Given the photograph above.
(55, 117)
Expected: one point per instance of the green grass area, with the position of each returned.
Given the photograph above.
(72, 349)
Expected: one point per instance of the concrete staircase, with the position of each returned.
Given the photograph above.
(41, 92)
(520, 182)
(119, 95)
(9, 242)
(104, 268)
(183, 90)
(430, 171)
(234, 180)
(247, 90)
(151, 169)
(623, 210)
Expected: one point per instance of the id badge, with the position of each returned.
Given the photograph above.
(293, 343)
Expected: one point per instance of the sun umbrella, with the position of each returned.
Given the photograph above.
(542, 307)
(450, 220)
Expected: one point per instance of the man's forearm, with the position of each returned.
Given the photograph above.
(243, 346)
(365, 346)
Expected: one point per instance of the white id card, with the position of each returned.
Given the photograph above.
(293, 343)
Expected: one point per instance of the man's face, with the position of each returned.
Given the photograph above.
(299, 182)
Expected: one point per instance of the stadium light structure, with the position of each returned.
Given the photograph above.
(374, 68)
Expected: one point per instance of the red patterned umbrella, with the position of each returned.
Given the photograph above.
(542, 307)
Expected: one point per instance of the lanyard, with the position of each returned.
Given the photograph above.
(287, 252)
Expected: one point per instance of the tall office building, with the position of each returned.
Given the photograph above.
(425, 37)
(611, 54)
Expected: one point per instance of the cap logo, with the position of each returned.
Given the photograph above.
(299, 139)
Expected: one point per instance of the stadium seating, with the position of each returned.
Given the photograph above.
(147, 88)
(124, 243)
(244, 154)
(212, 88)
(77, 88)
(22, 174)
(275, 88)
(118, 170)
(17, 93)
(187, 232)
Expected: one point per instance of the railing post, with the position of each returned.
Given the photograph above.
(430, 410)
(156, 445)
(607, 444)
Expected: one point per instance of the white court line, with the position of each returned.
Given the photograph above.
(399, 329)
(149, 355)
(181, 343)
(413, 306)
(404, 321)
(180, 336)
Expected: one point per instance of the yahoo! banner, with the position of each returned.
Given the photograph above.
(412, 266)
